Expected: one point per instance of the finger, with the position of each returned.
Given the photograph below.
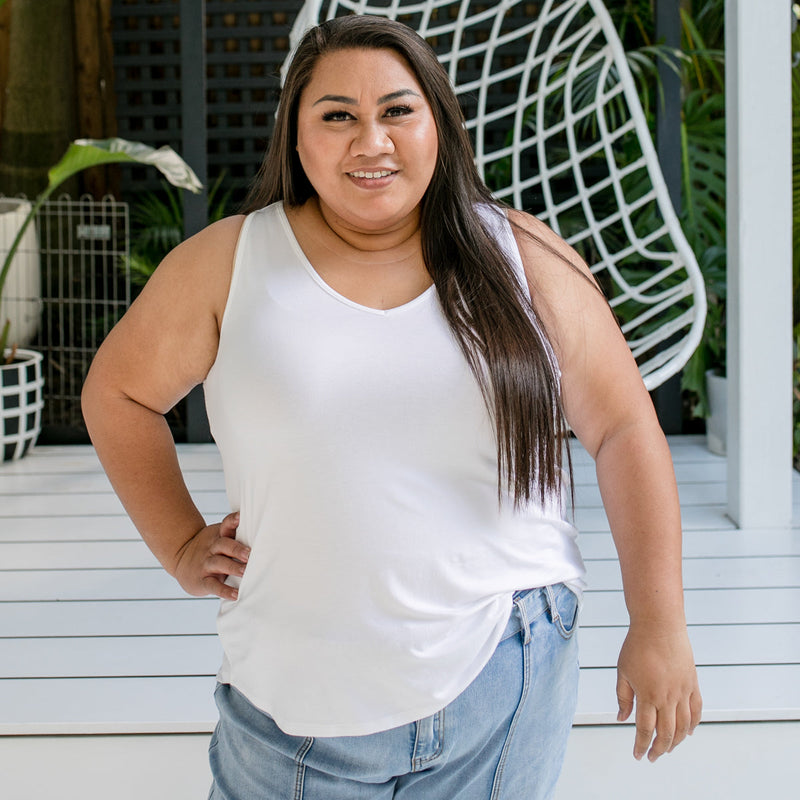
(226, 543)
(683, 722)
(222, 565)
(222, 590)
(665, 733)
(696, 706)
(645, 728)
(229, 525)
(624, 699)
(230, 548)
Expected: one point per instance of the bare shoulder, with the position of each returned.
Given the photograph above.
(545, 254)
(559, 280)
(167, 340)
(200, 267)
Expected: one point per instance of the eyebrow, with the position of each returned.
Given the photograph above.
(351, 101)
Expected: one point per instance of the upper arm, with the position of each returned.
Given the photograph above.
(167, 341)
(602, 390)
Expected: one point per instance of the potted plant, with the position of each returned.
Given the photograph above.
(704, 375)
(21, 380)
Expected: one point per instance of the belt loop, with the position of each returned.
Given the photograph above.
(523, 616)
(551, 602)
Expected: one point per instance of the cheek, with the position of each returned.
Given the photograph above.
(309, 154)
(427, 143)
(430, 157)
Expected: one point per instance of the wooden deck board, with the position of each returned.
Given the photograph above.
(96, 638)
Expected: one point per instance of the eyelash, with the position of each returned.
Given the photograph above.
(342, 116)
(402, 109)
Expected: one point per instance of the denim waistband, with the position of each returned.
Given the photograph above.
(528, 605)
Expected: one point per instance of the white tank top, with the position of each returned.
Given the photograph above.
(358, 449)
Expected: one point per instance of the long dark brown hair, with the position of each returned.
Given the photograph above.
(488, 310)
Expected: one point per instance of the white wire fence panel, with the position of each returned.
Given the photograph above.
(80, 255)
(558, 130)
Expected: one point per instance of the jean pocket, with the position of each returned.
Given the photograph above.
(564, 607)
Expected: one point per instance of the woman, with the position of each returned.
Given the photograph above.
(388, 360)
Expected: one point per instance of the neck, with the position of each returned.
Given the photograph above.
(398, 237)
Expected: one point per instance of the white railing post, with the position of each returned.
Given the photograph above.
(758, 36)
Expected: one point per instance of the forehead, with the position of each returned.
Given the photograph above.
(360, 72)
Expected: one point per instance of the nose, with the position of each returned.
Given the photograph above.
(371, 139)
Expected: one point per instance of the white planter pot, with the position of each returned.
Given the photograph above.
(22, 293)
(717, 423)
(21, 404)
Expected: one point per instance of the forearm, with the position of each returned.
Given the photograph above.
(136, 449)
(637, 483)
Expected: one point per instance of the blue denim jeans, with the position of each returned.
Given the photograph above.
(503, 738)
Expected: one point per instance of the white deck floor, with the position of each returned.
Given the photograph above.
(96, 638)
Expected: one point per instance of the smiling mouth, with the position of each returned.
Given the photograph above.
(382, 173)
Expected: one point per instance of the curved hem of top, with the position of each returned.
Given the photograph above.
(400, 718)
(389, 722)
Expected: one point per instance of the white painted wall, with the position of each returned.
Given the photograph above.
(147, 767)
(736, 761)
(732, 761)
(758, 44)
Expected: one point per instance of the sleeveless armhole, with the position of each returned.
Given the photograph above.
(235, 270)
(511, 247)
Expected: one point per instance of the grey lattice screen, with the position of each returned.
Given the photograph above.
(246, 42)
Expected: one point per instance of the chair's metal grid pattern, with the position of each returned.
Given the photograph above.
(560, 131)
(83, 250)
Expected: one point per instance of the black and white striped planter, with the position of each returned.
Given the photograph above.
(21, 404)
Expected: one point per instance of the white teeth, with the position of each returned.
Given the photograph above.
(361, 174)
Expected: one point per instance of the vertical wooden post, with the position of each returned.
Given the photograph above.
(5, 25)
(759, 310)
(39, 114)
(87, 64)
(88, 83)
(107, 97)
(194, 145)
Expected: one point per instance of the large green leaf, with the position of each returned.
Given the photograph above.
(85, 153)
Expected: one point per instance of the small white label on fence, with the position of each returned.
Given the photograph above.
(94, 232)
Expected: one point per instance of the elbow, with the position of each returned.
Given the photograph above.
(92, 398)
(100, 397)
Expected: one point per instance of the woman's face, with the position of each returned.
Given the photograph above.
(366, 138)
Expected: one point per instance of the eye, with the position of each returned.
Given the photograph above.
(336, 116)
(399, 111)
